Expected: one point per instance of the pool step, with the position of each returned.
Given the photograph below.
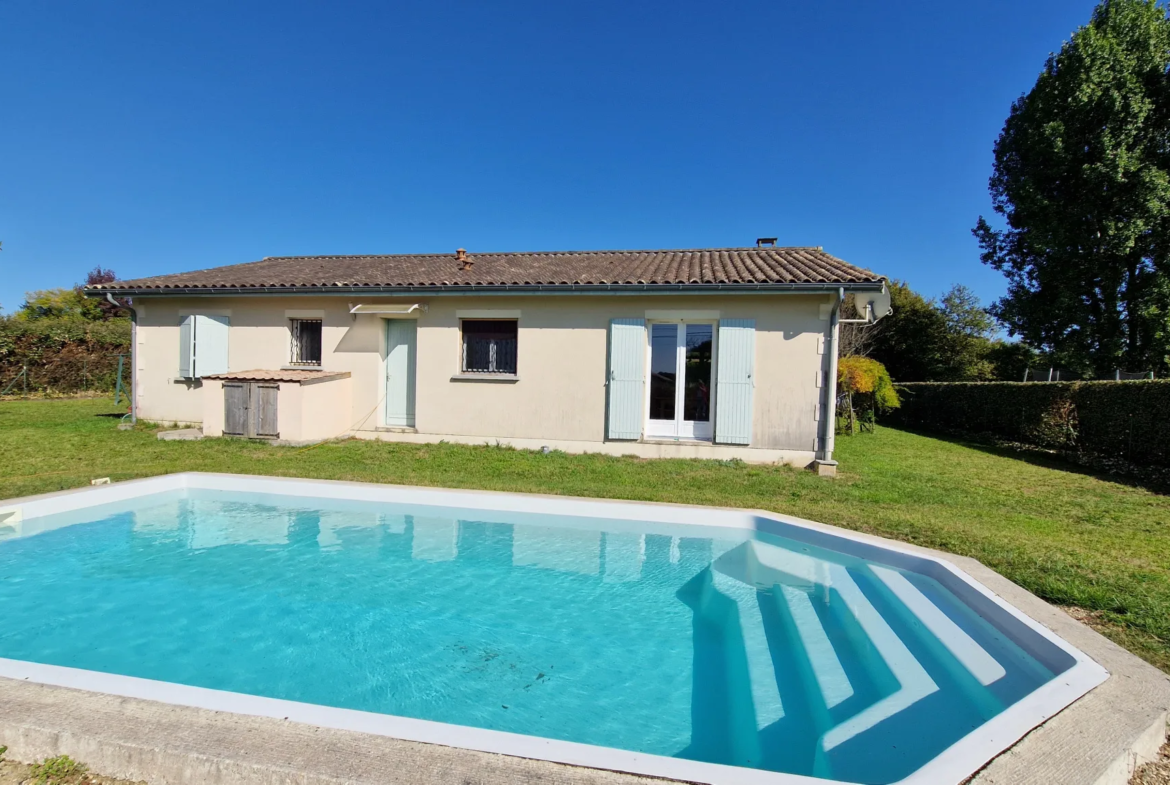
(913, 682)
(765, 693)
(823, 662)
(962, 646)
(800, 585)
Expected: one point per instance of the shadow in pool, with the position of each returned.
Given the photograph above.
(714, 693)
(736, 720)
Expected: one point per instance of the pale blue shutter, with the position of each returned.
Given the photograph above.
(627, 362)
(211, 345)
(735, 379)
(187, 347)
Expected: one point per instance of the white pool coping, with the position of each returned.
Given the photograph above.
(953, 765)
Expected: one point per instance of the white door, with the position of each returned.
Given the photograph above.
(401, 339)
(680, 380)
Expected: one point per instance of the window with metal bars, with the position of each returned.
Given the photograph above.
(306, 341)
(489, 346)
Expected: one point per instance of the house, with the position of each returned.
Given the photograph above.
(714, 353)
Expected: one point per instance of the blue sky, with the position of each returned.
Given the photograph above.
(159, 137)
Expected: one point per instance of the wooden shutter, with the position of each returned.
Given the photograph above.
(627, 363)
(187, 347)
(735, 380)
(211, 345)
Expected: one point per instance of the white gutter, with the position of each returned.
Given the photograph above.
(133, 356)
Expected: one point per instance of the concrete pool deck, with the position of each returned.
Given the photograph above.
(1098, 740)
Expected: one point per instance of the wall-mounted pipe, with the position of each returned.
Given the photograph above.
(829, 405)
(133, 355)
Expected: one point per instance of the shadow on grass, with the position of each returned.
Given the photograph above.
(1155, 479)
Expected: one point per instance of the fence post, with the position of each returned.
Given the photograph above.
(24, 372)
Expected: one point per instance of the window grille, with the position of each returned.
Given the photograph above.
(306, 342)
(489, 346)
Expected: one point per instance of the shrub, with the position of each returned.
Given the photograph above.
(65, 354)
(865, 389)
(1126, 420)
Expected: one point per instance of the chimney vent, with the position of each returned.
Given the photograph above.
(762, 241)
(461, 257)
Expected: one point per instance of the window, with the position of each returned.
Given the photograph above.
(489, 346)
(306, 341)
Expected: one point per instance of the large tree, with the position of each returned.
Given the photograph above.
(1082, 179)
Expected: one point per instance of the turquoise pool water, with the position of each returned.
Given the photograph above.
(736, 648)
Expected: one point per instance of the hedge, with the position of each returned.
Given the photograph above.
(63, 355)
(1126, 420)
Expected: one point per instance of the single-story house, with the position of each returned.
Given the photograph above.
(715, 353)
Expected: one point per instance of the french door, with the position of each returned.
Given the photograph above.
(680, 380)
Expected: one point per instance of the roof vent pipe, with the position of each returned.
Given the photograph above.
(762, 241)
(461, 257)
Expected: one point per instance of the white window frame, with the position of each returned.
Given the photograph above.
(683, 430)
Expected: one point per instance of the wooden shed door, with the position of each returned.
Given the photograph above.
(249, 409)
(264, 410)
(235, 408)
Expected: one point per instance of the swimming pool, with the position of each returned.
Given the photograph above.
(707, 645)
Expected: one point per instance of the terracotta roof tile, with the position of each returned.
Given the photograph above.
(728, 266)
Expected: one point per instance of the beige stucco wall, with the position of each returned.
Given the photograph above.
(326, 410)
(562, 361)
(304, 412)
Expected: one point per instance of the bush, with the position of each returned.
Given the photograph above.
(1126, 420)
(865, 389)
(66, 354)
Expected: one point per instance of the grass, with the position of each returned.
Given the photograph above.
(1069, 537)
(56, 770)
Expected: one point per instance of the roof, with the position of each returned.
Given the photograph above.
(301, 375)
(768, 267)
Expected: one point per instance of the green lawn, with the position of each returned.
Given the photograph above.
(1071, 538)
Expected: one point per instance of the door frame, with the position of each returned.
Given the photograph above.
(412, 376)
(683, 430)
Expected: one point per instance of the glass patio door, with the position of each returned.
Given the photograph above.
(680, 380)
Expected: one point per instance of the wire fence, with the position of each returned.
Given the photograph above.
(1064, 375)
(67, 374)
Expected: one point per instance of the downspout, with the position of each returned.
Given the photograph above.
(825, 464)
(133, 356)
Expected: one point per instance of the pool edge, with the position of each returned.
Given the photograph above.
(980, 578)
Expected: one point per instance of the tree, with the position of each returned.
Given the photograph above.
(952, 340)
(909, 344)
(99, 309)
(965, 342)
(1082, 180)
(71, 303)
(52, 304)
